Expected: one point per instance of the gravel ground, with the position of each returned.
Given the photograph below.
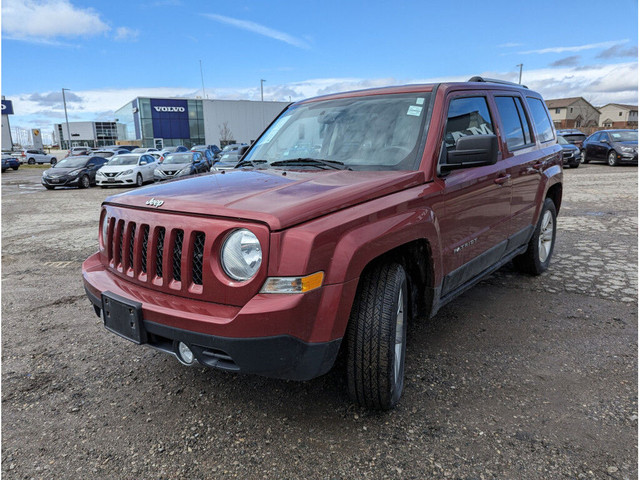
(520, 377)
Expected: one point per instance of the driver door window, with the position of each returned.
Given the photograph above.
(467, 116)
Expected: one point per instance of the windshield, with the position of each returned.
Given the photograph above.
(139, 150)
(104, 154)
(123, 160)
(377, 132)
(629, 136)
(175, 158)
(575, 137)
(72, 162)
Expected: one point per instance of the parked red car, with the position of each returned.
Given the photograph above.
(352, 215)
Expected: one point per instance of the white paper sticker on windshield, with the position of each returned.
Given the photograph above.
(419, 100)
(415, 111)
(275, 129)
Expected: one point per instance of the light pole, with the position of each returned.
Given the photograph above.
(520, 77)
(202, 77)
(262, 80)
(66, 117)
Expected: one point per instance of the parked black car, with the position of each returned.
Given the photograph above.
(612, 146)
(571, 155)
(572, 135)
(208, 154)
(77, 171)
(180, 164)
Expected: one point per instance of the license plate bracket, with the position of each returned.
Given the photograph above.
(123, 317)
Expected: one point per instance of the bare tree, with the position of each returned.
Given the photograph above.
(226, 136)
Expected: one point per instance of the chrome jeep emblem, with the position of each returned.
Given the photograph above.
(155, 203)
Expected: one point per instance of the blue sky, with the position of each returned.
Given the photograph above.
(109, 52)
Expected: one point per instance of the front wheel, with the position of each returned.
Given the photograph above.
(377, 337)
(538, 255)
(139, 180)
(612, 158)
(31, 161)
(85, 182)
(53, 161)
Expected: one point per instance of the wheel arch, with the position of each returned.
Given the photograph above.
(555, 194)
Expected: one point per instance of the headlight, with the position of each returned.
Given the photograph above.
(627, 149)
(127, 172)
(105, 226)
(99, 174)
(241, 255)
(184, 171)
(73, 173)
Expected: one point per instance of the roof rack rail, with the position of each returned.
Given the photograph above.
(494, 80)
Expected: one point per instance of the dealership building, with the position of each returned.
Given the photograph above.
(163, 122)
(86, 134)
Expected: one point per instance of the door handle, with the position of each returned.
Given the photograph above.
(502, 179)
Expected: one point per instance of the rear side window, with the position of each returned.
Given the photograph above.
(467, 116)
(514, 122)
(540, 119)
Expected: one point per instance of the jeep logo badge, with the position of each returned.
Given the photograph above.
(155, 203)
(169, 109)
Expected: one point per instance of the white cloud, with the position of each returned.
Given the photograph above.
(599, 84)
(259, 29)
(43, 20)
(577, 48)
(126, 34)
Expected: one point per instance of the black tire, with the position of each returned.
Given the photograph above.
(85, 182)
(139, 180)
(530, 261)
(583, 155)
(49, 187)
(612, 158)
(53, 161)
(575, 165)
(31, 161)
(16, 168)
(378, 324)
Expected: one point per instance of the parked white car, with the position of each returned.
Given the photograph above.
(127, 169)
(33, 156)
(144, 150)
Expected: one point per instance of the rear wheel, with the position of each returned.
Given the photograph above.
(53, 161)
(538, 255)
(583, 156)
(376, 338)
(612, 158)
(31, 161)
(16, 167)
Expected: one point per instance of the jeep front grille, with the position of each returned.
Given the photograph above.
(138, 249)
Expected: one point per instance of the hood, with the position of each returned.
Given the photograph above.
(172, 166)
(279, 199)
(59, 171)
(116, 168)
(571, 146)
(628, 143)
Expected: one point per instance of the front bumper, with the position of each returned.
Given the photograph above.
(294, 337)
(572, 159)
(630, 158)
(61, 181)
(117, 180)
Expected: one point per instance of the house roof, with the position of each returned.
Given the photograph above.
(621, 106)
(563, 102)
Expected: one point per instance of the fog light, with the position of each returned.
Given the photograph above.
(185, 354)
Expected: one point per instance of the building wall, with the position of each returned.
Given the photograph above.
(246, 119)
(579, 111)
(621, 117)
(91, 134)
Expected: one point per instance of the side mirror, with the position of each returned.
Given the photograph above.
(604, 140)
(143, 162)
(472, 151)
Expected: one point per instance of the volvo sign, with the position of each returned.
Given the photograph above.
(170, 118)
(170, 109)
(7, 107)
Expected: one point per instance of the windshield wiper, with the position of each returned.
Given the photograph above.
(253, 163)
(316, 162)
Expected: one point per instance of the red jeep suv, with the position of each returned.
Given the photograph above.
(351, 215)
